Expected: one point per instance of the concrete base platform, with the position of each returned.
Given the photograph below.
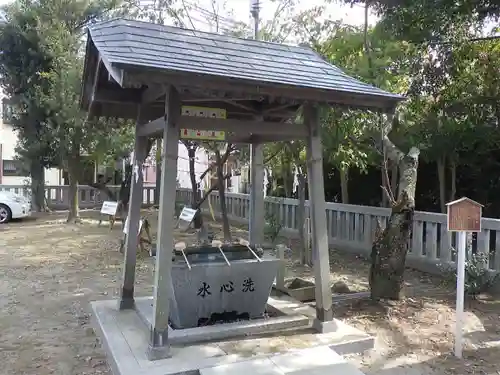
(283, 321)
(124, 336)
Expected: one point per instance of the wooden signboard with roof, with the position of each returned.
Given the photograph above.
(464, 215)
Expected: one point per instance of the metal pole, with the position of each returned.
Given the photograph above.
(255, 12)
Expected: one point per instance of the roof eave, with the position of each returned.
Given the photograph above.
(386, 103)
(84, 100)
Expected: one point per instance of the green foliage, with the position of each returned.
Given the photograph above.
(179, 205)
(424, 20)
(42, 74)
(273, 226)
(478, 278)
(22, 81)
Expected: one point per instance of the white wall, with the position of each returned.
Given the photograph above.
(200, 165)
(8, 139)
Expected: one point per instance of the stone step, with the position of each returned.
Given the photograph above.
(311, 361)
(259, 366)
(336, 369)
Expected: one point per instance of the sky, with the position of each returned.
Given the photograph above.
(239, 10)
(231, 11)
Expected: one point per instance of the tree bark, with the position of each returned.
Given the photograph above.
(385, 183)
(389, 250)
(37, 173)
(441, 169)
(195, 196)
(453, 178)
(288, 178)
(222, 196)
(394, 178)
(74, 166)
(344, 185)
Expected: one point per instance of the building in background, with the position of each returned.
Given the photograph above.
(12, 172)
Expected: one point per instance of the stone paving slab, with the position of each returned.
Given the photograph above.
(311, 361)
(124, 337)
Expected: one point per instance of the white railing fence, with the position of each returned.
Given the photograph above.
(350, 227)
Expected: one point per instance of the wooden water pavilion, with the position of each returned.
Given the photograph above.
(150, 73)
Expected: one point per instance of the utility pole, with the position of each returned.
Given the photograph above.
(255, 12)
(257, 209)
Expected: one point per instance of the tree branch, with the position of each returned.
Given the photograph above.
(224, 158)
(274, 154)
(209, 191)
(188, 15)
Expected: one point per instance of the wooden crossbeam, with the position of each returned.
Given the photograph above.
(239, 127)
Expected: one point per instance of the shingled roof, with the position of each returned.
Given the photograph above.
(126, 43)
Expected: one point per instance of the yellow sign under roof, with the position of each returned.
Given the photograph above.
(205, 135)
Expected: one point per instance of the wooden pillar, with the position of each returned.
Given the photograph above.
(134, 215)
(324, 313)
(257, 222)
(257, 209)
(158, 342)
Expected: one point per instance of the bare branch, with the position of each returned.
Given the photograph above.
(274, 154)
(389, 195)
(188, 15)
(216, 16)
(229, 149)
(209, 191)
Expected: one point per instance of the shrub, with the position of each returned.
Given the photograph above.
(478, 278)
(273, 226)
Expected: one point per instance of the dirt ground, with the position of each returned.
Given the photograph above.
(50, 271)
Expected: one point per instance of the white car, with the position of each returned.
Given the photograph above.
(13, 206)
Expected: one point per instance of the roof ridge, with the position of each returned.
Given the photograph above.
(103, 23)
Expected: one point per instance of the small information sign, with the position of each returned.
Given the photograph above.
(125, 227)
(464, 215)
(206, 135)
(186, 216)
(206, 112)
(109, 208)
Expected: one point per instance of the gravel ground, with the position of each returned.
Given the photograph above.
(50, 271)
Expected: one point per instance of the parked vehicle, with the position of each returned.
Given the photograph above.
(13, 206)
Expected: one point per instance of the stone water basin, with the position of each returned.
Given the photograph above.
(209, 289)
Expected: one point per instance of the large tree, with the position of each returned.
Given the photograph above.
(41, 73)
(27, 56)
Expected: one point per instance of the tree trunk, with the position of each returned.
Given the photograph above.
(158, 172)
(389, 250)
(344, 184)
(385, 183)
(37, 173)
(222, 196)
(301, 217)
(195, 196)
(453, 177)
(74, 166)
(288, 178)
(441, 169)
(125, 186)
(394, 178)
